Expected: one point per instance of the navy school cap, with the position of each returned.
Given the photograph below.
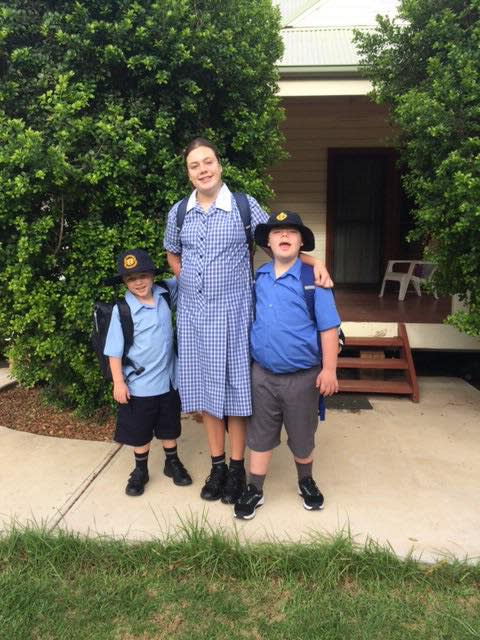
(132, 261)
(285, 219)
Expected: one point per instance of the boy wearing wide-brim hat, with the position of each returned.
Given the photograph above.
(147, 397)
(289, 368)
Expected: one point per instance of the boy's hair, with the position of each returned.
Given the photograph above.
(128, 275)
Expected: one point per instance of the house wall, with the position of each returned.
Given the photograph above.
(312, 126)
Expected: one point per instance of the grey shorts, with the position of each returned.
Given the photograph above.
(286, 398)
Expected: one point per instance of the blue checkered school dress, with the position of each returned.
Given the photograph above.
(214, 310)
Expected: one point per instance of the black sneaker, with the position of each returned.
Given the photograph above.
(136, 482)
(234, 485)
(175, 469)
(312, 497)
(245, 507)
(213, 487)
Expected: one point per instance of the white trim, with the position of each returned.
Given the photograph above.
(331, 87)
(437, 337)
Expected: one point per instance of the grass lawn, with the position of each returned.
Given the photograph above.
(205, 586)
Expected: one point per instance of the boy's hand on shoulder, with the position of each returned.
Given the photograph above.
(327, 383)
(120, 392)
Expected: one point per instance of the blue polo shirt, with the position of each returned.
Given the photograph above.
(152, 346)
(283, 337)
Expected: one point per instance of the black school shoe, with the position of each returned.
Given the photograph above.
(213, 487)
(246, 505)
(234, 485)
(174, 469)
(312, 497)
(136, 482)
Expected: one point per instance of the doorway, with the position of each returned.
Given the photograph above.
(363, 214)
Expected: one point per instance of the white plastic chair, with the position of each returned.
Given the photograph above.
(418, 273)
(422, 273)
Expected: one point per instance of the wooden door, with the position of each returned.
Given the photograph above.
(362, 215)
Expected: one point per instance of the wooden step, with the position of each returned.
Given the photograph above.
(392, 343)
(371, 363)
(371, 357)
(411, 374)
(375, 386)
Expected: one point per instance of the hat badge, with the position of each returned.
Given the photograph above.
(281, 216)
(129, 262)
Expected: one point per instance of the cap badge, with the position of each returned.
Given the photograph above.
(281, 216)
(129, 262)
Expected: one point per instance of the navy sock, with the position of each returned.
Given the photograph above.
(141, 460)
(237, 464)
(171, 452)
(218, 460)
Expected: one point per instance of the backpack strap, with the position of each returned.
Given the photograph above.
(245, 214)
(246, 217)
(165, 294)
(181, 213)
(126, 323)
(168, 299)
(308, 282)
(307, 278)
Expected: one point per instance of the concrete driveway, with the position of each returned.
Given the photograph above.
(405, 475)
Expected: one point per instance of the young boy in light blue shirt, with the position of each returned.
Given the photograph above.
(289, 368)
(148, 400)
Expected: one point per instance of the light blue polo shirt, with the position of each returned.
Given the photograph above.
(283, 337)
(152, 343)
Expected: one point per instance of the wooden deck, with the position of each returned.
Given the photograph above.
(364, 305)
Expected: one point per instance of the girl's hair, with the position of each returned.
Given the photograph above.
(200, 142)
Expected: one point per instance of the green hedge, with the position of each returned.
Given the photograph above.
(97, 100)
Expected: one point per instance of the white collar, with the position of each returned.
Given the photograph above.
(223, 200)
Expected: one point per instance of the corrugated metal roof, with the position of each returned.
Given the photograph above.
(317, 47)
(319, 35)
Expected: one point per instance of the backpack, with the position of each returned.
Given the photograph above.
(102, 315)
(307, 278)
(243, 207)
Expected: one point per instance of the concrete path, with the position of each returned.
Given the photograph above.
(5, 379)
(403, 474)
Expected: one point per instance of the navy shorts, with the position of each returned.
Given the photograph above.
(144, 417)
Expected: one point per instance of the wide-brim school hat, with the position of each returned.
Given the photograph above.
(285, 219)
(132, 261)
